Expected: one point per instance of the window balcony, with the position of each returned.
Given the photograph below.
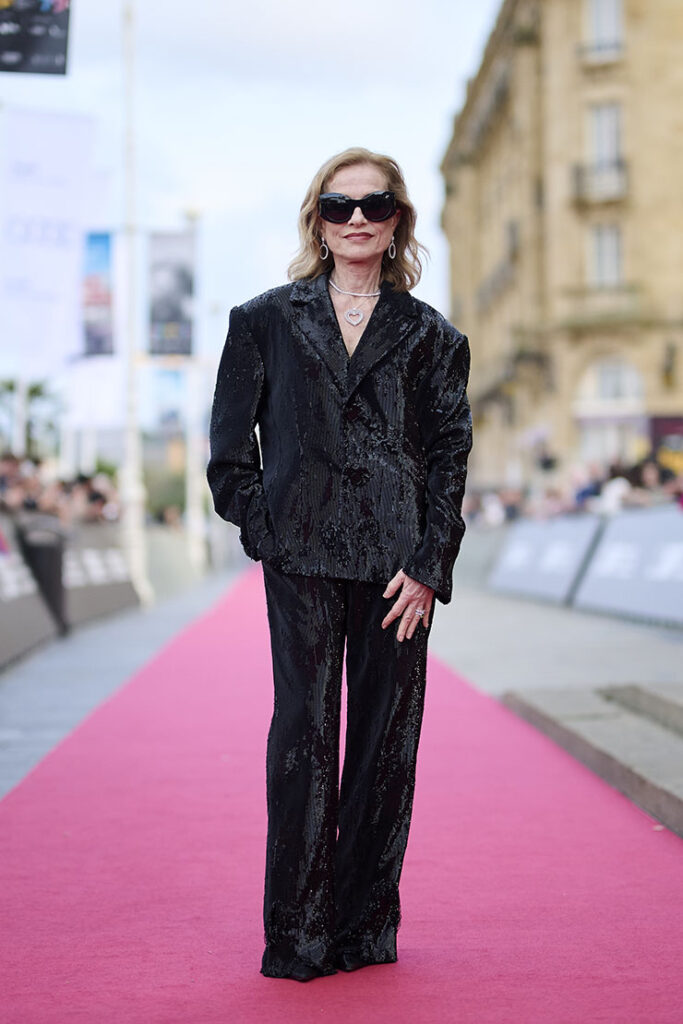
(604, 182)
(595, 306)
(599, 53)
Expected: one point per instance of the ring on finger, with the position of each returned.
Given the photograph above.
(419, 612)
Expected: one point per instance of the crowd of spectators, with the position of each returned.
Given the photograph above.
(28, 485)
(602, 489)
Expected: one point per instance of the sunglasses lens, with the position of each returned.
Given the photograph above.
(336, 209)
(379, 206)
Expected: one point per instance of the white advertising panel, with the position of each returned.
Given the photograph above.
(45, 175)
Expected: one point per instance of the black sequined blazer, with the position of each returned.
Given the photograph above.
(363, 459)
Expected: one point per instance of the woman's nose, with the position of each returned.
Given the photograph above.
(357, 217)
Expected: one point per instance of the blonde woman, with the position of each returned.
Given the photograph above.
(353, 504)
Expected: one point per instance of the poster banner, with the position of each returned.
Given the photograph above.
(45, 177)
(98, 326)
(171, 293)
(34, 36)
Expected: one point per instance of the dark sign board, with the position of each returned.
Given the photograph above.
(171, 293)
(34, 35)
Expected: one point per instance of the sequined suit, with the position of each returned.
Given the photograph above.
(358, 470)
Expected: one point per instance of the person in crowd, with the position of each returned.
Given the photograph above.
(353, 504)
(26, 488)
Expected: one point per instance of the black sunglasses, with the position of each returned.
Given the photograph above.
(338, 208)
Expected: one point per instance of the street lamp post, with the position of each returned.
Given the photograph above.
(195, 479)
(132, 485)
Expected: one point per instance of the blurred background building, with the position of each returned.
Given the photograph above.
(564, 217)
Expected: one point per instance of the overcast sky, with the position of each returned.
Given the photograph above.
(237, 105)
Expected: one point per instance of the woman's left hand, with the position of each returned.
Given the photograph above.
(413, 597)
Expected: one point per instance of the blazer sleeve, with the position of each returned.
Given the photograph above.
(446, 426)
(234, 470)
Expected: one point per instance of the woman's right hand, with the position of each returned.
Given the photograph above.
(415, 598)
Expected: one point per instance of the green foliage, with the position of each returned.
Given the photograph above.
(164, 488)
(109, 469)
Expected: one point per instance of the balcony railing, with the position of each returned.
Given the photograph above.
(602, 182)
(593, 306)
(600, 52)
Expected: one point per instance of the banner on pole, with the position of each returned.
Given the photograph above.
(171, 293)
(45, 173)
(34, 36)
(98, 327)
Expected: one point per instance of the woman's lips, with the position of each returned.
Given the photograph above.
(359, 234)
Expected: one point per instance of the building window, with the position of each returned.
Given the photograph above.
(618, 379)
(606, 259)
(608, 380)
(603, 177)
(609, 411)
(605, 24)
(603, 31)
(605, 135)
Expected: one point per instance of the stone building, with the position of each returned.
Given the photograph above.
(564, 216)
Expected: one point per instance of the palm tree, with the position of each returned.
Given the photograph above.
(37, 421)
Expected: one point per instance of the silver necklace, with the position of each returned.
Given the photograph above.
(354, 316)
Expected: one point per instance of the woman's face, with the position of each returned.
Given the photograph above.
(359, 239)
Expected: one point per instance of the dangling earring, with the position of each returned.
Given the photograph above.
(391, 251)
(323, 245)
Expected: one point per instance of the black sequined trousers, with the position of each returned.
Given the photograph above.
(334, 853)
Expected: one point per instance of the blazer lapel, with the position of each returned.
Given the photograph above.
(316, 323)
(392, 319)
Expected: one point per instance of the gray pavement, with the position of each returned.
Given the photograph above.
(499, 642)
(46, 694)
(609, 691)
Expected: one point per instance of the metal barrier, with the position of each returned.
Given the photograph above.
(25, 621)
(637, 568)
(545, 558)
(53, 578)
(629, 565)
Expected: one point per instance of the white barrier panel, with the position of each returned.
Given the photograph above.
(637, 568)
(544, 558)
(24, 620)
(95, 574)
(44, 193)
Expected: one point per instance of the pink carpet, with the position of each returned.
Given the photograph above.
(132, 866)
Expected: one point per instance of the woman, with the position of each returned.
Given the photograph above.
(353, 504)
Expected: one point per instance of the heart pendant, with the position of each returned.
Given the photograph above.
(353, 316)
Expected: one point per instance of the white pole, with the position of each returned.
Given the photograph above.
(195, 525)
(132, 486)
(87, 456)
(67, 449)
(20, 417)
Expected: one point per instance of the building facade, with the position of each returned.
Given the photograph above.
(564, 217)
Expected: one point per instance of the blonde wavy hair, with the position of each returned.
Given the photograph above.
(403, 272)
